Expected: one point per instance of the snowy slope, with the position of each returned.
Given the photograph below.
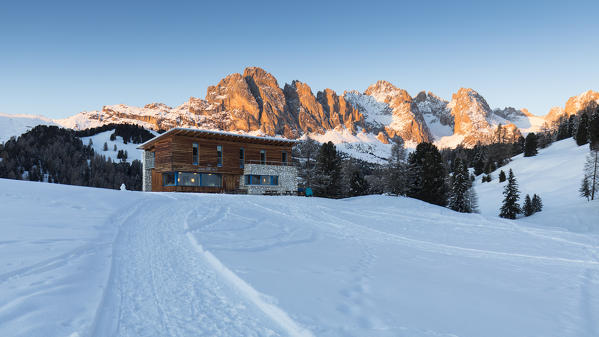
(99, 139)
(15, 125)
(555, 175)
(92, 262)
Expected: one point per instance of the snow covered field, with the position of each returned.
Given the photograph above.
(99, 139)
(78, 261)
(555, 175)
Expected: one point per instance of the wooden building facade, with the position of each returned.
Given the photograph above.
(192, 160)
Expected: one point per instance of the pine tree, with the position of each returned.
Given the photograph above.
(427, 175)
(358, 185)
(594, 131)
(585, 188)
(582, 134)
(105, 147)
(562, 130)
(530, 145)
(502, 176)
(510, 208)
(537, 204)
(591, 174)
(528, 207)
(459, 198)
(396, 175)
(328, 169)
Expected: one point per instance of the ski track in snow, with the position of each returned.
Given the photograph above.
(186, 291)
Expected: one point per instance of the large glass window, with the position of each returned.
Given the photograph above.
(168, 179)
(262, 157)
(191, 179)
(219, 156)
(254, 179)
(188, 179)
(211, 180)
(195, 153)
(241, 157)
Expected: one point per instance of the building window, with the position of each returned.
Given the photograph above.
(284, 157)
(254, 179)
(211, 180)
(219, 156)
(195, 153)
(262, 157)
(241, 157)
(168, 179)
(188, 179)
(191, 179)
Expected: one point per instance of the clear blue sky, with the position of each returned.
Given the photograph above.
(59, 58)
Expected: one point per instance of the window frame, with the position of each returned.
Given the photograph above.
(241, 157)
(219, 156)
(195, 158)
(262, 157)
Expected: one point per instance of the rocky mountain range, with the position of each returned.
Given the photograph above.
(254, 102)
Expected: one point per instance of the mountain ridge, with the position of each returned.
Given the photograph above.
(254, 102)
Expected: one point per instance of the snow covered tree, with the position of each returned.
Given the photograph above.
(328, 171)
(590, 182)
(459, 197)
(527, 208)
(501, 176)
(427, 175)
(114, 148)
(582, 134)
(537, 204)
(530, 145)
(510, 208)
(396, 175)
(105, 147)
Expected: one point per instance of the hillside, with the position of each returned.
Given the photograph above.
(554, 174)
(78, 261)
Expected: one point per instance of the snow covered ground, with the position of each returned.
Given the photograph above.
(99, 139)
(554, 174)
(78, 261)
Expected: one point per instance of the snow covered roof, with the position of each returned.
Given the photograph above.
(221, 135)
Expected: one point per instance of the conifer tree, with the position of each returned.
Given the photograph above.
(571, 125)
(357, 184)
(591, 175)
(530, 145)
(582, 134)
(594, 131)
(585, 188)
(427, 175)
(328, 167)
(459, 198)
(502, 176)
(537, 204)
(510, 208)
(528, 208)
(396, 175)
